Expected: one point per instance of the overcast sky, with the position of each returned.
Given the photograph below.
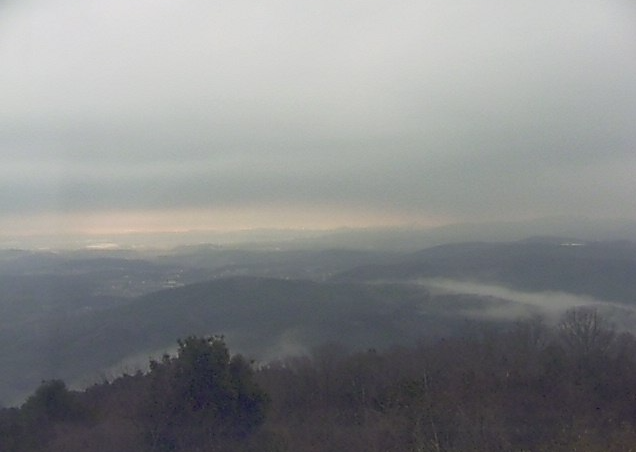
(177, 114)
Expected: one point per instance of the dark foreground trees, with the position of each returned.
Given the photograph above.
(202, 399)
(534, 387)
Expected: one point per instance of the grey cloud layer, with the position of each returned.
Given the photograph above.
(468, 110)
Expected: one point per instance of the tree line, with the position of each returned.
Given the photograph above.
(533, 386)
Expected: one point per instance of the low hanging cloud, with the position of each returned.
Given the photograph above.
(509, 304)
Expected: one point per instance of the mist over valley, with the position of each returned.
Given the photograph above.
(84, 316)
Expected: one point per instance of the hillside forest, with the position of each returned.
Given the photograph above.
(533, 386)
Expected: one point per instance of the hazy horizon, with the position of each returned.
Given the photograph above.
(405, 237)
(145, 117)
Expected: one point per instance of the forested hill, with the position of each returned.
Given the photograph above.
(263, 317)
(531, 387)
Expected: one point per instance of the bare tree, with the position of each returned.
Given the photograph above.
(584, 331)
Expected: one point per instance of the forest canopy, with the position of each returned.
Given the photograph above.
(534, 386)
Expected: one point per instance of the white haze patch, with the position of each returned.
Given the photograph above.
(509, 304)
(288, 343)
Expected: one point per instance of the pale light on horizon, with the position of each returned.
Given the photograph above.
(84, 226)
(145, 117)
